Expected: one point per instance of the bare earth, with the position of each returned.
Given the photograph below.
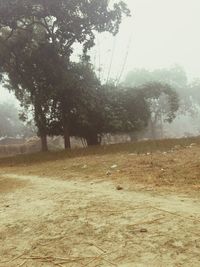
(52, 222)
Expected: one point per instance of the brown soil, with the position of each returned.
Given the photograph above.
(174, 170)
(74, 223)
(9, 185)
(109, 206)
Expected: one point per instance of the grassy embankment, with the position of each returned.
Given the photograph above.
(170, 163)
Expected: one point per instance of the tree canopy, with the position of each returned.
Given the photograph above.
(36, 42)
(62, 22)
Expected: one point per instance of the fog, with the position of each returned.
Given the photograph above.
(159, 34)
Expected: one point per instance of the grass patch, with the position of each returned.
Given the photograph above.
(137, 147)
(143, 163)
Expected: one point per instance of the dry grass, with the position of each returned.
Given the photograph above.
(71, 214)
(173, 164)
(137, 147)
(10, 185)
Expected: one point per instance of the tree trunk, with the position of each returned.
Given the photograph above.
(93, 140)
(65, 124)
(44, 146)
(40, 119)
(133, 137)
(66, 136)
(153, 129)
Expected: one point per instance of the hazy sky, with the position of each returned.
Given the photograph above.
(162, 33)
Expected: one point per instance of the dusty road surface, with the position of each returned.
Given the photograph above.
(49, 222)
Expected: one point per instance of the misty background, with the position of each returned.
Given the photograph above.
(160, 34)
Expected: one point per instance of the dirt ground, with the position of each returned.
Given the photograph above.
(55, 222)
(64, 209)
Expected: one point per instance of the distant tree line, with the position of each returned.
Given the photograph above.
(37, 40)
(10, 124)
(187, 92)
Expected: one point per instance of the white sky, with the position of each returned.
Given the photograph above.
(164, 33)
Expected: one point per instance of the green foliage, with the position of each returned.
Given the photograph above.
(161, 88)
(95, 110)
(162, 99)
(79, 103)
(63, 22)
(28, 68)
(126, 110)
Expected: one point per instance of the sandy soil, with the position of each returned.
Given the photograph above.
(49, 222)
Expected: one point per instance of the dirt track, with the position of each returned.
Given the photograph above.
(48, 222)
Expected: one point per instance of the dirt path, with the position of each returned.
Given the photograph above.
(48, 222)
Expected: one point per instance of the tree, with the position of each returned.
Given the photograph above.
(163, 104)
(96, 110)
(29, 28)
(88, 116)
(166, 92)
(79, 104)
(63, 22)
(111, 110)
(29, 76)
(126, 110)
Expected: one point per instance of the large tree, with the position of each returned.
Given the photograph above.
(79, 105)
(126, 110)
(163, 103)
(36, 42)
(30, 75)
(106, 109)
(165, 91)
